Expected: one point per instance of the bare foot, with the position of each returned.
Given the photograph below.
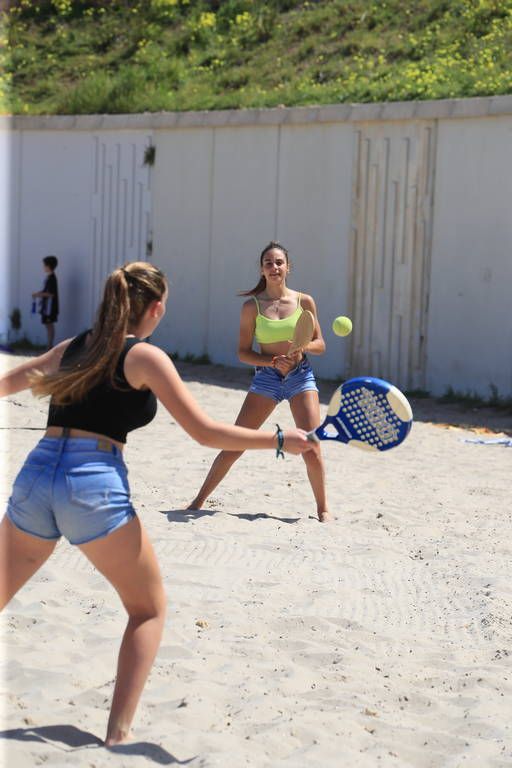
(325, 516)
(195, 504)
(117, 737)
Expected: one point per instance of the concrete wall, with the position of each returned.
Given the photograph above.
(8, 210)
(224, 183)
(470, 317)
(50, 213)
(182, 236)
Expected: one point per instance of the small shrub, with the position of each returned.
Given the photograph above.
(15, 319)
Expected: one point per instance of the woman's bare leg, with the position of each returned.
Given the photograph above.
(305, 409)
(21, 555)
(254, 411)
(126, 558)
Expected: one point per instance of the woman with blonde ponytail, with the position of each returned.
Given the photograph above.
(104, 384)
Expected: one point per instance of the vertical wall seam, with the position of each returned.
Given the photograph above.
(277, 183)
(94, 222)
(210, 244)
(354, 245)
(117, 188)
(19, 184)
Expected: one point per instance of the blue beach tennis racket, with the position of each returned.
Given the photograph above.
(367, 413)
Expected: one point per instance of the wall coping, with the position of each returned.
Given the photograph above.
(485, 106)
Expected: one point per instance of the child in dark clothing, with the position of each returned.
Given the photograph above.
(49, 298)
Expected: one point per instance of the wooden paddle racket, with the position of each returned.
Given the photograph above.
(303, 332)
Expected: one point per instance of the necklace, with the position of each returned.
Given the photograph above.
(273, 309)
(274, 300)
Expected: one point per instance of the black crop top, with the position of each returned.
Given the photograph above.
(105, 410)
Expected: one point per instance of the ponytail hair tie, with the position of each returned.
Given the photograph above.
(128, 277)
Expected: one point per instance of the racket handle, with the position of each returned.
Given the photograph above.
(313, 436)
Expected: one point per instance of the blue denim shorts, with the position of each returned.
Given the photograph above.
(71, 487)
(270, 383)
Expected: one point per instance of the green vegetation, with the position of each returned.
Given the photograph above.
(62, 57)
(15, 319)
(469, 400)
(472, 400)
(25, 345)
(190, 358)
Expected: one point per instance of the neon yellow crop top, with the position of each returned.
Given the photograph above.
(268, 331)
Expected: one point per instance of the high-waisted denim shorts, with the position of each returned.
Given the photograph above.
(74, 487)
(270, 383)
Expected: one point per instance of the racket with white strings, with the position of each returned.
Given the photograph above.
(367, 413)
(303, 333)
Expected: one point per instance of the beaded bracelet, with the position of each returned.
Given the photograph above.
(280, 442)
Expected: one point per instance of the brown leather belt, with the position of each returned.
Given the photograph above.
(102, 443)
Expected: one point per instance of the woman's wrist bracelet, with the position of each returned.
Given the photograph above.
(280, 442)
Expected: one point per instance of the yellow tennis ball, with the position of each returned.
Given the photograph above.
(342, 325)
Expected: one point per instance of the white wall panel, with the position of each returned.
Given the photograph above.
(120, 202)
(9, 212)
(182, 192)
(313, 222)
(390, 253)
(470, 317)
(243, 221)
(54, 218)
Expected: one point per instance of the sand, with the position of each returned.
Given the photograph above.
(381, 639)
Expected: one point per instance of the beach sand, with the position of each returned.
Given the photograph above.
(381, 639)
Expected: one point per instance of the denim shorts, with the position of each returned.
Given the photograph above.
(74, 487)
(270, 383)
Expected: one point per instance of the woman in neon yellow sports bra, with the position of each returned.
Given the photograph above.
(269, 317)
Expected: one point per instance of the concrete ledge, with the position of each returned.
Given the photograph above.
(487, 106)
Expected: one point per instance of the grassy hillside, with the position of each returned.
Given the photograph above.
(60, 56)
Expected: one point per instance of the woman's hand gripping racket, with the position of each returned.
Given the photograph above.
(367, 413)
(303, 333)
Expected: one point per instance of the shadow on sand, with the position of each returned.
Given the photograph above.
(186, 515)
(67, 738)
